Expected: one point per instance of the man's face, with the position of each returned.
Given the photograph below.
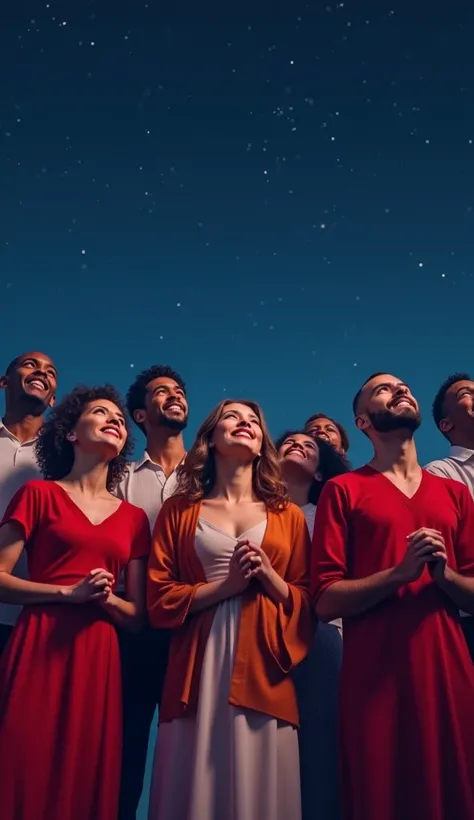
(31, 381)
(387, 405)
(326, 429)
(458, 408)
(165, 406)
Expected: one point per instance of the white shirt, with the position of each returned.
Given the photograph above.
(17, 465)
(146, 485)
(458, 465)
(309, 511)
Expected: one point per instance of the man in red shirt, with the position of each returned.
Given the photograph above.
(393, 555)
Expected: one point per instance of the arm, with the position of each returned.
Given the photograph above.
(278, 590)
(130, 612)
(334, 595)
(16, 590)
(459, 583)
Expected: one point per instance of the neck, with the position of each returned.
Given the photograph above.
(395, 454)
(233, 481)
(166, 448)
(24, 426)
(88, 476)
(298, 489)
(465, 440)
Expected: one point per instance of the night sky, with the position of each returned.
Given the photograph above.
(274, 204)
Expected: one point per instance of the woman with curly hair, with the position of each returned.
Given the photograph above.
(306, 464)
(228, 572)
(60, 687)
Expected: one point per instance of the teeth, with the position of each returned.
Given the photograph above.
(37, 383)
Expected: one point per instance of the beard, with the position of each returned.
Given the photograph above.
(172, 423)
(387, 422)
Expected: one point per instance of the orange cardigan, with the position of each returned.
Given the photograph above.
(270, 642)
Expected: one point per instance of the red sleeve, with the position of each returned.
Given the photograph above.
(329, 548)
(464, 541)
(141, 542)
(24, 508)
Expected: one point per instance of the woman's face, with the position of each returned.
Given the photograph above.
(238, 433)
(301, 453)
(100, 429)
(326, 429)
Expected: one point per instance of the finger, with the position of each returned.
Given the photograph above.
(96, 596)
(242, 551)
(242, 542)
(415, 546)
(424, 550)
(424, 531)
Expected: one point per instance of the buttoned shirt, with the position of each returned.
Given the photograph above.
(146, 485)
(17, 465)
(458, 465)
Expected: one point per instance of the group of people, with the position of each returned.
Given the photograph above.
(303, 627)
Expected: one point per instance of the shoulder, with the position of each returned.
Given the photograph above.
(292, 513)
(443, 485)
(135, 513)
(442, 467)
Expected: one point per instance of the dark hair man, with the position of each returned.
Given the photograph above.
(321, 426)
(29, 384)
(393, 555)
(453, 413)
(157, 403)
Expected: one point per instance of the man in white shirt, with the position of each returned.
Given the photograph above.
(453, 412)
(29, 383)
(157, 403)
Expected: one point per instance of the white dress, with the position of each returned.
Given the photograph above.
(224, 763)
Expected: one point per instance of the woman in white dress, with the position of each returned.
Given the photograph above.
(228, 573)
(306, 464)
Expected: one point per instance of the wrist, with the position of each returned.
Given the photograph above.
(65, 594)
(446, 579)
(396, 578)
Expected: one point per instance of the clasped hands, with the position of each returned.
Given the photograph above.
(248, 561)
(425, 547)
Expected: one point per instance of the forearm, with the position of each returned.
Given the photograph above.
(126, 614)
(19, 591)
(210, 594)
(460, 589)
(277, 589)
(344, 599)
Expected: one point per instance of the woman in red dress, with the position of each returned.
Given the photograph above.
(60, 688)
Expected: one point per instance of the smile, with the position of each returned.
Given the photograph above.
(37, 384)
(243, 434)
(111, 431)
(175, 406)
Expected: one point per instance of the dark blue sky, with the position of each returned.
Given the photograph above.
(275, 205)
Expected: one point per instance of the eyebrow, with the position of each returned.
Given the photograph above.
(388, 384)
(103, 407)
(465, 387)
(36, 361)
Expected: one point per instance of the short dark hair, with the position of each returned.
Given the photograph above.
(55, 453)
(12, 366)
(331, 461)
(342, 430)
(357, 396)
(136, 395)
(438, 402)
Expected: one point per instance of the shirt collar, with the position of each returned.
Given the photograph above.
(4, 431)
(460, 453)
(145, 459)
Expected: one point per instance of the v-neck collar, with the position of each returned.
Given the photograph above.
(407, 498)
(81, 512)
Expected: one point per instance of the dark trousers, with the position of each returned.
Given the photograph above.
(144, 658)
(468, 629)
(5, 632)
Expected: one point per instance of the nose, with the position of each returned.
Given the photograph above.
(243, 423)
(113, 420)
(402, 390)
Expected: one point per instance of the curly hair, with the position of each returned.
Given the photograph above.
(331, 462)
(341, 430)
(136, 395)
(438, 402)
(55, 454)
(197, 476)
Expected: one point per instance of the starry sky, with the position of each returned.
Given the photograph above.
(276, 203)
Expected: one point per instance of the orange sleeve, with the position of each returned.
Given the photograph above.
(289, 635)
(329, 548)
(168, 596)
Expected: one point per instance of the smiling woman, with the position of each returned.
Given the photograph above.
(228, 573)
(56, 759)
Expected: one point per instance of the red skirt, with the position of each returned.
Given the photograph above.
(60, 716)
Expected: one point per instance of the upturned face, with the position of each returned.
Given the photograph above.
(33, 380)
(166, 405)
(100, 429)
(238, 433)
(387, 404)
(326, 429)
(299, 453)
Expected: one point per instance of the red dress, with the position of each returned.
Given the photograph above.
(60, 684)
(407, 684)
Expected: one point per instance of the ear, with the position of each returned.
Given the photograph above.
(52, 401)
(446, 426)
(139, 416)
(318, 476)
(71, 437)
(3, 382)
(362, 422)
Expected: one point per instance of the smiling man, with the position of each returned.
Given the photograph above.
(393, 555)
(29, 384)
(157, 403)
(453, 413)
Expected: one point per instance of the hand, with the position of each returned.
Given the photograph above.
(257, 563)
(96, 586)
(423, 548)
(236, 580)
